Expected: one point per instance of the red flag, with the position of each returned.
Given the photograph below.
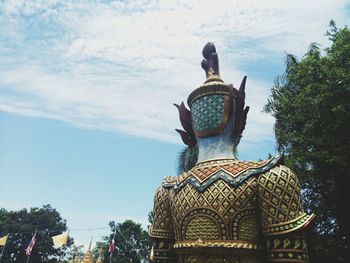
(31, 245)
(112, 246)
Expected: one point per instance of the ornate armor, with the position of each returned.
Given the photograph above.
(227, 210)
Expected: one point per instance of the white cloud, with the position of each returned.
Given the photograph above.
(119, 66)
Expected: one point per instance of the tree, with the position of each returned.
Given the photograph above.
(25, 222)
(132, 243)
(73, 252)
(150, 217)
(311, 104)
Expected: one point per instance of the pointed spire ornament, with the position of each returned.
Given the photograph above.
(88, 258)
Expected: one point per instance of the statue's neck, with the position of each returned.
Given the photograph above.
(219, 146)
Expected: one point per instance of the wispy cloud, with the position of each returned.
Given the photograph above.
(118, 66)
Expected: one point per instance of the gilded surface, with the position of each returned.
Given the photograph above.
(215, 243)
(162, 224)
(237, 218)
(287, 248)
(220, 202)
(201, 227)
(280, 202)
(232, 171)
(248, 230)
(234, 168)
(214, 259)
(193, 259)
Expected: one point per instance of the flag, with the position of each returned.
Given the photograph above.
(3, 240)
(31, 245)
(60, 240)
(112, 245)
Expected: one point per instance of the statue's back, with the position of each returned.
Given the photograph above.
(224, 209)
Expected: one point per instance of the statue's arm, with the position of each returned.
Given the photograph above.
(282, 216)
(161, 230)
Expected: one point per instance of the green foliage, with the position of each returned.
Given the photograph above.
(25, 222)
(132, 243)
(311, 104)
(187, 159)
(151, 217)
(72, 252)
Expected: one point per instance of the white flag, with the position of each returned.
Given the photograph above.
(60, 240)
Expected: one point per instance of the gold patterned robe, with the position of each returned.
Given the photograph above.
(230, 211)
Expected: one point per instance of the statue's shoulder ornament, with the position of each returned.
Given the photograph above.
(169, 181)
(233, 172)
(280, 202)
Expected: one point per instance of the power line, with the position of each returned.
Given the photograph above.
(52, 231)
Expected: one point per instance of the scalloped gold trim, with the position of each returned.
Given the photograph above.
(216, 243)
(214, 87)
(159, 233)
(289, 226)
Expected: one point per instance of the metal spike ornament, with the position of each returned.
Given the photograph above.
(241, 111)
(187, 136)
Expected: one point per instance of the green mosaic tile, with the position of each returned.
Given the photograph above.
(207, 112)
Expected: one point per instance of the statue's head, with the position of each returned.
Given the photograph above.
(213, 106)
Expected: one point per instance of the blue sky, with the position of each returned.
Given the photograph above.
(86, 92)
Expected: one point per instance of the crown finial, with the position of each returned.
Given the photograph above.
(210, 63)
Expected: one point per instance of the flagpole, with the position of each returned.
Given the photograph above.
(65, 244)
(29, 257)
(3, 249)
(2, 253)
(111, 254)
(60, 257)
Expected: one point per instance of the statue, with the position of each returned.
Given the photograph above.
(224, 209)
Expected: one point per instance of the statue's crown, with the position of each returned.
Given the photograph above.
(213, 104)
(213, 83)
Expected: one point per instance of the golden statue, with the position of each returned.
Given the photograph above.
(224, 209)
